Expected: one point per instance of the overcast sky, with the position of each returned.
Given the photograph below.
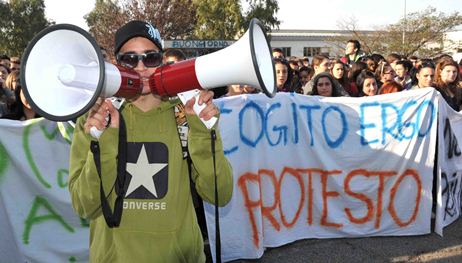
(294, 14)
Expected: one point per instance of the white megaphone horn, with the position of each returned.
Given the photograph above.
(248, 61)
(63, 73)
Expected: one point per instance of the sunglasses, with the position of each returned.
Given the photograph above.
(150, 59)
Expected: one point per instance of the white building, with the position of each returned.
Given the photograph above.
(307, 43)
(301, 43)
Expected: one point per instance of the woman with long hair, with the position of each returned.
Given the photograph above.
(21, 109)
(355, 70)
(283, 75)
(447, 82)
(340, 74)
(366, 83)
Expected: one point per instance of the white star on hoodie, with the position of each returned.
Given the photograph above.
(142, 172)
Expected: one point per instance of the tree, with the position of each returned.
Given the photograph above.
(21, 21)
(424, 34)
(103, 21)
(173, 18)
(224, 19)
(218, 19)
(265, 11)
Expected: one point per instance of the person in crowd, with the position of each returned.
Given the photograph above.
(239, 89)
(384, 73)
(6, 95)
(173, 55)
(15, 63)
(151, 188)
(423, 75)
(366, 83)
(339, 72)
(390, 87)
(305, 74)
(278, 53)
(371, 63)
(325, 85)
(440, 57)
(20, 109)
(353, 52)
(12, 80)
(283, 75)
(4, 71)
(413, 60)
(447, 82)
(306, 62)
(294, 64)
(377, 58)
(403, 69)
(460, 67)
(319, 63)
(353, 73)
(392, 59)
(5, 61)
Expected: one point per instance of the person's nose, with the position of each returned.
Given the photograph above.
(140, 66)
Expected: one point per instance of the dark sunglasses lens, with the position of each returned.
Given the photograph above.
(128, 60)
(153, 59)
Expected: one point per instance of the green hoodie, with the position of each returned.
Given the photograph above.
(158, 220)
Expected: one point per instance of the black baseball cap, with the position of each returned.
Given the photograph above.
(136, 28)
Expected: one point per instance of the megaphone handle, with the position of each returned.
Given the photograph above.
(117, 102)
(187, 95)
(95, 133)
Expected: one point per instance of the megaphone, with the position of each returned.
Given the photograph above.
(63, 71)
(248, 61)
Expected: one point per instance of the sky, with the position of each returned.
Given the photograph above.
(294, 14)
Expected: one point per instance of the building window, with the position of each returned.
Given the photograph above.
(311, 51)
(286, 51)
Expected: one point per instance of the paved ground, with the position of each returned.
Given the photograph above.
(426, 248)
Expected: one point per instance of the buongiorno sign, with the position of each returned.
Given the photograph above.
(198, 43)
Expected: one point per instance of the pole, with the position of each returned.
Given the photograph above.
(405, 23)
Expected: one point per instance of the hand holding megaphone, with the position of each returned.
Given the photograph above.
(200, 103)
(101, 116)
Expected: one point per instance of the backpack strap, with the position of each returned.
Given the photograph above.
(183, 129)
(113, 218)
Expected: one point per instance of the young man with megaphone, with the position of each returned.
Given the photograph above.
(133, 182)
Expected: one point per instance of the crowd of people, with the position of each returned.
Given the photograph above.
(151, 128)
(13, 103)
(357, 74)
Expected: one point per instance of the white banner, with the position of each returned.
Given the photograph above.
(449, 175)
(37, 222)
(312, 167)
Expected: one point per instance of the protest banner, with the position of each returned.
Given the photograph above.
(37, 221)
(449, 171)
(314, 167)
